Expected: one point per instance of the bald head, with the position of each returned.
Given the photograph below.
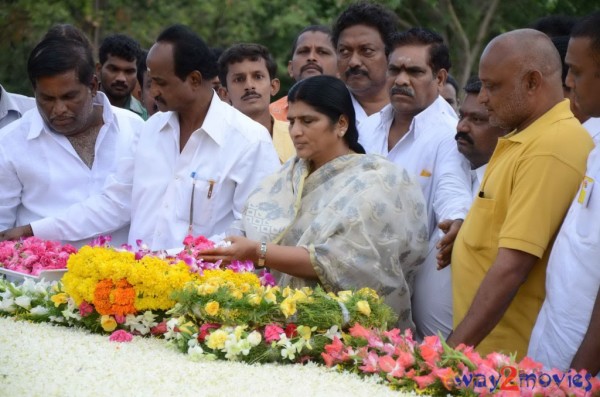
(521, 75)
(526, 50)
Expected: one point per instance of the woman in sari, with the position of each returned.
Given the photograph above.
(332, 215)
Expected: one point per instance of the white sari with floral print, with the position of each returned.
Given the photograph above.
(360, 217)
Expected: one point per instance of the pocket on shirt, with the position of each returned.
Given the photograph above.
(196, 200)
(478, 235)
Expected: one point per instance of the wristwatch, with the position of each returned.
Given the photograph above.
(262, 254)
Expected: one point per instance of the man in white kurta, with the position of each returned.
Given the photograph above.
(13, 106)
(567, 329)
(192, 168)
(426, 148)
(42, 175)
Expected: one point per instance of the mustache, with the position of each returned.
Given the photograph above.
(248, 93)
(464, 136)
(158, 99)
(119, 84)
(402, 91)
(356, 71)
(311, 65)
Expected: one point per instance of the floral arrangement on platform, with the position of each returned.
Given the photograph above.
(33, 255)
(231, 316)
(434, 368)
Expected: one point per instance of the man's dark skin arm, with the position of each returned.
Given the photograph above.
(496, 292)
(16, 233)
(588, 354)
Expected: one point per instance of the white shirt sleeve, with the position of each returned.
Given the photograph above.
(453, 190)
(259, 161)
(10, 191)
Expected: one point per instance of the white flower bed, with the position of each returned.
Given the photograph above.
(45, 360)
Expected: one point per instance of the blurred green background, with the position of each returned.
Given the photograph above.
(467, 25)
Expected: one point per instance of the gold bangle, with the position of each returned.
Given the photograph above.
(262, 254)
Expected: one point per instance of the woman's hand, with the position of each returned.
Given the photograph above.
(241, 249)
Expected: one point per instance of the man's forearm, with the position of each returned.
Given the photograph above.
(493, 297)
(588, 354)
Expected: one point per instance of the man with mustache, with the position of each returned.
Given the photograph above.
(417, 131)
(312, 55)
(117, 71)
(248, 74)
(191, 168)
(476, 138)
(501, 252)
(361, 36)
(63, 152)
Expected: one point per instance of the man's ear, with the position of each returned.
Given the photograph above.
(290, 70)
(441, 77)
(533, 79)
(94, 85)
(275, 86)
(195, 77)
(223, 94)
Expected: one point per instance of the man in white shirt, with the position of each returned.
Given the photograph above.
(417, 132)
(566, 332)
(62, 152)
(12, 106)
(194, 165)
(361, 35)
(476, 138)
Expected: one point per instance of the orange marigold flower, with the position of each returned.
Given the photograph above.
(114, 298)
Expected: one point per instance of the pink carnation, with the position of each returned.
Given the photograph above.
(85, 309)
(273, 333)
(120, 336)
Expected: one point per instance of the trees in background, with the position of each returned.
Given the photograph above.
(467, 25)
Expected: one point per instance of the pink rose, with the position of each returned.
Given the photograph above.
(120, 336)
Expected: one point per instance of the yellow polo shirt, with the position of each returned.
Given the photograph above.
(527, 188)
(282, 141)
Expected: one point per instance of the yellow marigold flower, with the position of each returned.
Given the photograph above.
(212, 308)
(108, 323)
(344, 296)
(59, 299)
(288, 307)
(237, 294)
(216, 340)
(364, 308)
(286, 292)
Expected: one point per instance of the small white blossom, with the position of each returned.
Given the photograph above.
(39, 311)
(24, 301)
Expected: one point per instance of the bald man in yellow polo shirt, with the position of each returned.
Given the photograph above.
(501, 252)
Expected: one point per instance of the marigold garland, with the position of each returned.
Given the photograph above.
(152, 280)
(114, 298)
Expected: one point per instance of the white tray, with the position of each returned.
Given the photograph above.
(17, 277)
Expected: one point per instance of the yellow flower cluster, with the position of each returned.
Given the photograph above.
(152, 278)
(236, 282)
